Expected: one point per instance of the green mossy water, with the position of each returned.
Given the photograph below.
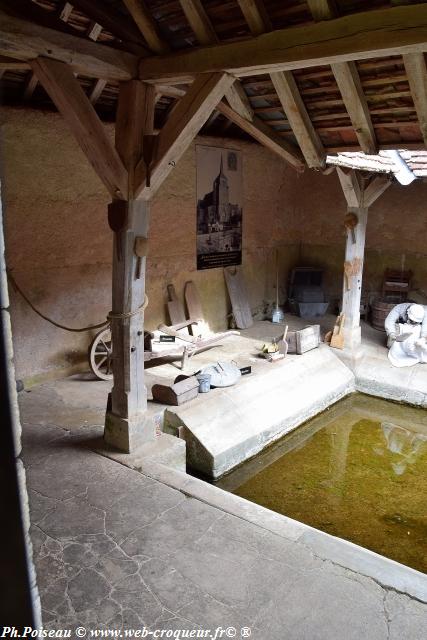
(362, 476)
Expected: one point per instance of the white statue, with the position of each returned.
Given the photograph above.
(406, 328)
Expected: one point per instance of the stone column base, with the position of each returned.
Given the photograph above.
(352, 338)
(128, 434)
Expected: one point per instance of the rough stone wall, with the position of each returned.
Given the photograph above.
(58, 243)
(396, 232)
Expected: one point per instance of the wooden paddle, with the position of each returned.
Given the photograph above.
(337, 339)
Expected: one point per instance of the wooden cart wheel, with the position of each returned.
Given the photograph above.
(101, 355)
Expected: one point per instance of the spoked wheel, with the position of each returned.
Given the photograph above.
(101, 355)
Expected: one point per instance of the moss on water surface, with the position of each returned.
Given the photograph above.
(358, 471)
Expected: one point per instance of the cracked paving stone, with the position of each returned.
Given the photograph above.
(115, 569)
(169, 586)
(87, 590)
(211, 613)
(73, 517)
(139, 507)
(171, 530)
(142, 601)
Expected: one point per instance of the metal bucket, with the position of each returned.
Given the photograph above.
(278, 316)
(204, 382)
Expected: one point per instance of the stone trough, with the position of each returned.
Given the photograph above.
(227, 426)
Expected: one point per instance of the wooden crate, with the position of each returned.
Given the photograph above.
(304, 340)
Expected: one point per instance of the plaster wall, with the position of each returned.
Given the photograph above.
(59, 246)
(396, 231)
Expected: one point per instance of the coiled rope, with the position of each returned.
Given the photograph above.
(111, 315)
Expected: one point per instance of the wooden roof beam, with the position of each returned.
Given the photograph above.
(96, 90)
(205, 34)
(348, 81)
(65, 91)
(26, 41)
(188, 117)
(256, 16)
(299, 120)
(415, 66)
(266, 136)
(351, 186)
(364, 35)
(199, 21)
(322, 9)
(354, 99)
(147, 25)
(239, 101)
(116, 22)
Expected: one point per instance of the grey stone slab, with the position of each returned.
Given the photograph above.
(73, 516)
(137, 507)
(178, 527)
(326, 606)
(168, 584)
(406, 617)
(87, 589)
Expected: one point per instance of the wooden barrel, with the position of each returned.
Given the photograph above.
(380, 311)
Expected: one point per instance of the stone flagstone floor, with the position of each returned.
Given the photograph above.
(116, 549)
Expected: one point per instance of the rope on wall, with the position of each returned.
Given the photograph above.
(111, 315)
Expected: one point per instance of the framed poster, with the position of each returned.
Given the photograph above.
(219, 207)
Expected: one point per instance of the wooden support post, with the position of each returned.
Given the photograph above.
(352, 286)
(126, 424)
(359, 196)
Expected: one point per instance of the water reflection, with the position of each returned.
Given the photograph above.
(402, 442)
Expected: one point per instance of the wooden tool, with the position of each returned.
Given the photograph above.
(337, 339)
(194, 309)
(283, 343)
(239, 298)
(176, 309)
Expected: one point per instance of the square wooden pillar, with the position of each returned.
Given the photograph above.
(353, 273)
(126, 425)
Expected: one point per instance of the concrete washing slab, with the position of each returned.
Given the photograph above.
(228, 426)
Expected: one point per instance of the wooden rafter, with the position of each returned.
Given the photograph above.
(351, 186)
(293, 105)
(370, 34)
(96, 90)
(239, 101)
(117, 23)
(255, 15)
(201, 25)
(30, 86)
(199, 21)
(22, 40)
(147, 25)
(374, 190)
(322, 9)
(266, 136)
(65, 91)
(189, 115)
(415, 66)
(348, 81)
(351, 90)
